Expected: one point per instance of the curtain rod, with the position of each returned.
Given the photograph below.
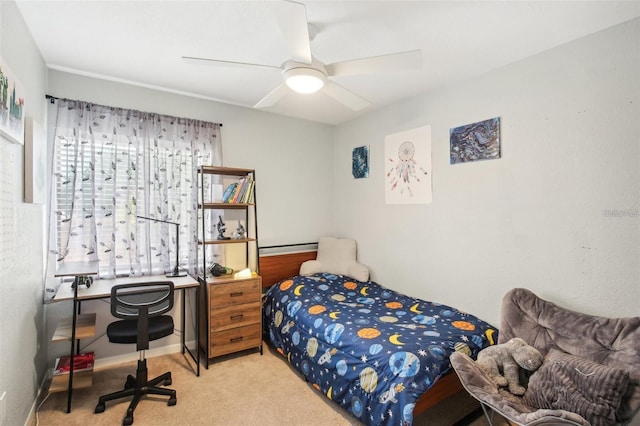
(53, 100)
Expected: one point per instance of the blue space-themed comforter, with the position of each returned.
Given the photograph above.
(370, 349)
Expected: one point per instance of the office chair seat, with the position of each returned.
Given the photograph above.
(126, 331)
(140, 308)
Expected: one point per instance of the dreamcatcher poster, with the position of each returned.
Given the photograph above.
(408, 167)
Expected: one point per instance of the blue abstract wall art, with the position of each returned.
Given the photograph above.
(360, 162)
(476, 141)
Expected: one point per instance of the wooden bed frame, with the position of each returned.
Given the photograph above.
(276, 267)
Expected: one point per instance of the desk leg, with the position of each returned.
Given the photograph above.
(196, 357)
(198, 330)
(78, 311)
(73, 342)
(183, 318)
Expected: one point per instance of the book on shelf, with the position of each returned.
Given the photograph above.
(239, 192)
(248, 196)
(246, 190)
(228, 193)
(231, 193)
(240, 188)
(81, 362)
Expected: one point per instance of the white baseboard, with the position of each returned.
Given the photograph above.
(44, 386)
(102, 363)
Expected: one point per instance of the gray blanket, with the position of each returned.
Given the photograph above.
(575, 384)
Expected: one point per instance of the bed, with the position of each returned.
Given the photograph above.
(381, 355)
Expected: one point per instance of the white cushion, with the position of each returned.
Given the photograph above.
(336, 256)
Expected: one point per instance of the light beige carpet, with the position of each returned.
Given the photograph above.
(246, 389)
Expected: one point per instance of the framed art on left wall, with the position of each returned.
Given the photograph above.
(34, 162)
(12, 105)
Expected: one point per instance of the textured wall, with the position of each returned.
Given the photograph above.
(23, 351)
(558, 213)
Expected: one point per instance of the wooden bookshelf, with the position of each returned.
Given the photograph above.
(232, 319)
(81, 379)
(85, 327)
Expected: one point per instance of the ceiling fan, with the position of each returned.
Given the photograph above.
(305, 74)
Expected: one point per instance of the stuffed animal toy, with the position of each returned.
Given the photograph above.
(509, 357)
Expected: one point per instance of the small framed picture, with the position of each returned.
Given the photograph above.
(12, 105)
(360, 162)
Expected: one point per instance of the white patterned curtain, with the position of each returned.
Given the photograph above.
(112, 165)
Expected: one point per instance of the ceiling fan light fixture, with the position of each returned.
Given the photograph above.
(304, 80)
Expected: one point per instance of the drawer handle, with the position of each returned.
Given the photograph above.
(236, 339)
(237, 316)
(236, 294)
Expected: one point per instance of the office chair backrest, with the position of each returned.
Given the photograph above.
(142, 302)
(150, 299)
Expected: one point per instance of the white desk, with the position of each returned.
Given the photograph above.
(74, 269)
(101, 289)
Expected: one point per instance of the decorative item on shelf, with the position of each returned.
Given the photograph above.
(239, 233)
(245, 273)
(82, 280)
(222, 228)
(217, 270)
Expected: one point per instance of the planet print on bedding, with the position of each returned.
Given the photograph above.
(367, 347)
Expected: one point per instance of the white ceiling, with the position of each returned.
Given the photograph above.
(142, 42)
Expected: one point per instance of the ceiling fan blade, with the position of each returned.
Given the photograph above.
(403, 61)
(217, 62)
(292, 19)
(274, 96)
(344, 96)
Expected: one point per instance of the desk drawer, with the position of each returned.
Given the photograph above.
(235, 293)
(235, 316)
(234, 340)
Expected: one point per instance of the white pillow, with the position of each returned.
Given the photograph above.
(336, 256)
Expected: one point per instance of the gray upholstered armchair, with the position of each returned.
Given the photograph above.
(591, 366)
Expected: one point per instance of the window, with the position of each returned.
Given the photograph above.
(113, 166)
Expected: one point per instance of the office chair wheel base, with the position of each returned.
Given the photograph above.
(172, 401)
(99, 409)
(128, 420)
(131, 382)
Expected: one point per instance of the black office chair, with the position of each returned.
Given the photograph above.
(141, 307)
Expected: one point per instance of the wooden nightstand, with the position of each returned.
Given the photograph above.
(234, 315)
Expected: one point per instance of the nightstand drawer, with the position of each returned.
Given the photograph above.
(235, 316)
(235, 339)
(235, 293)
